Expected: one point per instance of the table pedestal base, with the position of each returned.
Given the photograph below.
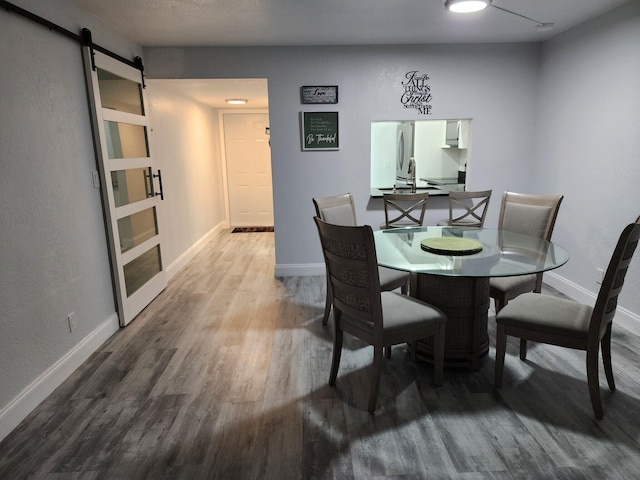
(465, 301)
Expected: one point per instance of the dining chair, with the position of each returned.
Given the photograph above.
(467, 209)
(533, 215)
(363, 310)
(404, 209)
(567, 323)
(340, 210)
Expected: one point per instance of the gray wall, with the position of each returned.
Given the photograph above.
(587, 146)
(53, 251)
(186, 147)
(495, 85)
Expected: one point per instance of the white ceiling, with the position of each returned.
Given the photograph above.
(214, 92)
(334, 22)
(326, 22)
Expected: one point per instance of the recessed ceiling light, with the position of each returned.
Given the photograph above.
(466, 6)
(236, 101)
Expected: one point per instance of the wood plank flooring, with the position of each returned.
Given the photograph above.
(225, 376)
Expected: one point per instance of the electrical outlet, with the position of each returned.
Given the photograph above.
(73, 321)
(600, 276)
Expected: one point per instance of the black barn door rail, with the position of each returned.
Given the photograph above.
(83, 39)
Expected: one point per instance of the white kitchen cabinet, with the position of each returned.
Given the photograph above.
(457, 134)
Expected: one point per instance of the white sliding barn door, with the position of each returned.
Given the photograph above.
(130, 182)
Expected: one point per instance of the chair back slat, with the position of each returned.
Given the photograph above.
(352, 269)
(468, 209)
(613, 281)
(404, 209)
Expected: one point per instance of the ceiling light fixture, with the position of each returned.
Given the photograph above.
(468, 6)
(236, 101)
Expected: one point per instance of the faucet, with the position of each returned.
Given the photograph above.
(412, 174)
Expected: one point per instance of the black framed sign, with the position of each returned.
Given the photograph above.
(319, 131)
(319, 94)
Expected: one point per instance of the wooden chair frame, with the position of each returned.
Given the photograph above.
(527, 283)
(468, 209)
(340, 210)
(359, 303)
(404, 209)
(512, 321)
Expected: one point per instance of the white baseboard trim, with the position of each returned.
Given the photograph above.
(21, 406)
(625, 318)
(186, 257)
(300, 270)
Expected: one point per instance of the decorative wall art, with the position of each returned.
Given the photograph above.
(416, 92)
(319, 131)
(319, 94)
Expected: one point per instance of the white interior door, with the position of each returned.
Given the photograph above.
(248, 158)
(128, 179)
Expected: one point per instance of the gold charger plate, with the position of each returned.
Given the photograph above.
(451, 245)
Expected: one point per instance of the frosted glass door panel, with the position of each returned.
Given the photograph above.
(117, 93)
(137, 228)
(131, 186)
(142, 269)
(125, 140)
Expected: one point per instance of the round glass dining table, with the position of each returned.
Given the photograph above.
(451, 269)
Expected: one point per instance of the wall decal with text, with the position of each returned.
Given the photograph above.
(416, 92)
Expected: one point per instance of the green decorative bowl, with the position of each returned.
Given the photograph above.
(451, 246)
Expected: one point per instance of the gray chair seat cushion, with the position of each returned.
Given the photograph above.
(407, 316)
(391, 279)
(506, 284)
(548, 314)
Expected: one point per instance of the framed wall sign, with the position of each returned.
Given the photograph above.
(319, 94)
(319, 131)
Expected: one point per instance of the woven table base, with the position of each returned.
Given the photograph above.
(465, 302)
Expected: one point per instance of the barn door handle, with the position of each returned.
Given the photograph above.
(159, 177)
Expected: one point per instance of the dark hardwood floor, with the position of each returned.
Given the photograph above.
(225, 376)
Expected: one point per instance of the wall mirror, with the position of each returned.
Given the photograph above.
(440, 149)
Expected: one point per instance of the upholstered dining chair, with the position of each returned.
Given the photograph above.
(533, 215)
(567, 323)
(467, 209)
(340, 210)
(404, 209)
(361, 309)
